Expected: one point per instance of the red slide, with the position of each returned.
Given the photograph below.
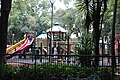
(27, 43)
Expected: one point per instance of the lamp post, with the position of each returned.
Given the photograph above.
(13, 38)
(52, 3)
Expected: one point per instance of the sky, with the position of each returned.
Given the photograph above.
(61, 5)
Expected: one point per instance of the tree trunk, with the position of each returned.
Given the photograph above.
(96, 45)
(113, 40)
(5, 9)
(96, 25)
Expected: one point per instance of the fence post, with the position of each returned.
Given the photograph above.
(58, 50)
(118, 52)
(33, 52)
(68, 48)
(102, 50)
(35, 66)
(41, 53)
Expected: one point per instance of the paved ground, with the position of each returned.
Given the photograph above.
(105, 62)
(27, 61)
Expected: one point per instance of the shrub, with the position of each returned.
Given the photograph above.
(6, 72)
(84, 48)
(24, 73)
(54, 71)
(59, 71)
(106, 73)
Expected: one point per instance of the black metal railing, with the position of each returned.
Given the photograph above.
(69, 67)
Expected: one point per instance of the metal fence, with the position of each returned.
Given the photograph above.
(105, 66)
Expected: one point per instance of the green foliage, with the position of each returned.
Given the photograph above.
(66, 18)
(70, 19)
(24, 73)
(60, 71)
(85, 46)
(27, 15)
(106, 73)
(6, 72)
(94, 16)
(54, 71)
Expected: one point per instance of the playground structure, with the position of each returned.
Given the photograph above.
(59, 38)
(16, 45)
(61, 48)
(41, 39)
(42, 42)
(20, 46)
(60, 41)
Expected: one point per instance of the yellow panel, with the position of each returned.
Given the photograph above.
(16, 45)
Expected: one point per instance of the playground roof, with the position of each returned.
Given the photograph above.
(73, 35)
(57, 28)
(42, 36)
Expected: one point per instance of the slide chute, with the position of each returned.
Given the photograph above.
(28, 41)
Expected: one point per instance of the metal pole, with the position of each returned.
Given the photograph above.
(50, 53)
(51, 30)
(41, 52)
(118, 52)
(13, 35)
(68, 48)
(102, 50)
(35, 66)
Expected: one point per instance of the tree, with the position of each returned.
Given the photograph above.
(67, 3)
(108, 19)
(117, 28)
(113, 38)
(94, 11)
(5, 10)
(27, 15)
(65, 17)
